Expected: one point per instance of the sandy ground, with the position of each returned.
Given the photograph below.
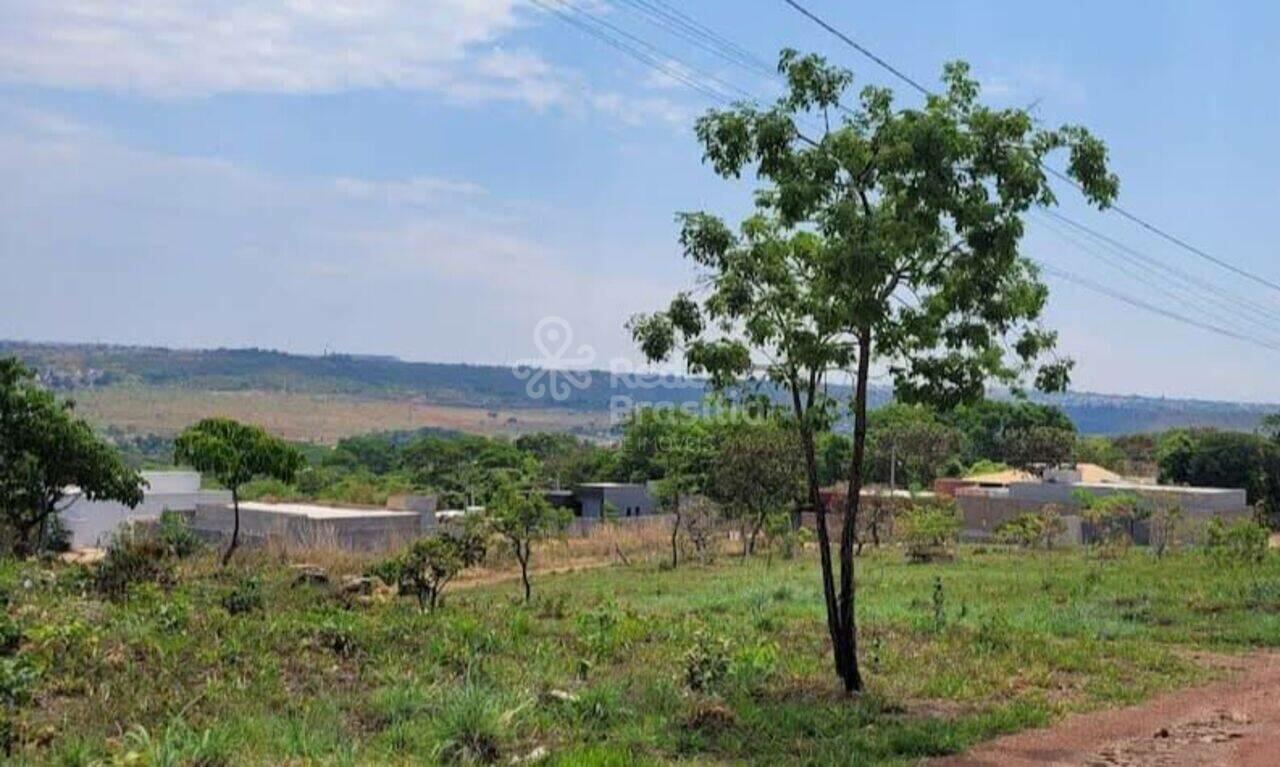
(1232, 722)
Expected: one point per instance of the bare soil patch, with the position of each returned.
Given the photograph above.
(1235, 722)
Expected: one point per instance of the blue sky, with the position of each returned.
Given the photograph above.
(429, 179)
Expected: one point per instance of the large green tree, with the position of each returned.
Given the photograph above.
(889, 239)
(48, 459)
(234, 453)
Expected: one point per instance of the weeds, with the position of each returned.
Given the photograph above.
(472, 725)
(244, 597)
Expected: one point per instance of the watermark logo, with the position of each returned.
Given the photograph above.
(547, 376)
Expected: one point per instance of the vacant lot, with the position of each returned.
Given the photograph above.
(635, 664)
(309, 417)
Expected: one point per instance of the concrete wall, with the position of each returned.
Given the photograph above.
(1192, 500)
(357, 532)
(982, 511)
(93, 523)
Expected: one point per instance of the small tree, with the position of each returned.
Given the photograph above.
(702, 516)
(431, 563)
(44, 451)
(756, 474)
(522, 518)
(235, 453)
(686, 462)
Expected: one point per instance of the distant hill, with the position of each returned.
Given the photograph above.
(81, 366)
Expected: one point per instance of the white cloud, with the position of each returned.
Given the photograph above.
(173, 48)
(191, 48)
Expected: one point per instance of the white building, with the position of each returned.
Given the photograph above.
(92, 523)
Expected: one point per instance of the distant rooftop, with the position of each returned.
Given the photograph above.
(313, 511)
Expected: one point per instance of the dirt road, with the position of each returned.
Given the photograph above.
(1234, 722)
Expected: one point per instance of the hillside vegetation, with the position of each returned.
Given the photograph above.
(104, 367)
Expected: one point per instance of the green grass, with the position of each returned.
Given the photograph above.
(1008, 641)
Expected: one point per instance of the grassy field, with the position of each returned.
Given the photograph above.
(718, 664)
(310, 417)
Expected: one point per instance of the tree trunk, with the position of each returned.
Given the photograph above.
(524, 572)
(848, 644)
(235, 528)
(824, 539)
(755, 533)
(675, 532)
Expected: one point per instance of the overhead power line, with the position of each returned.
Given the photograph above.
(1089, 284)
(687, 74)
(1130, 216)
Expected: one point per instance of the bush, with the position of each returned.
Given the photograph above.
(173, 532)
(1032, 530)
(430, 563)
(706, 663)
(17, 681)
(1241, 542)
(244, 597)
(929, 531)
(10, 635)
(132, 559)
(752, 666)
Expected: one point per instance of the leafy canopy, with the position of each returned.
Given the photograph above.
(44, 450)
(898, 225)
(234, 453)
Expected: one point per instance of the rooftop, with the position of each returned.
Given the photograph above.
(313, 511)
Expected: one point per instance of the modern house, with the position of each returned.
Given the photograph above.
(597, 500)
(93, 523)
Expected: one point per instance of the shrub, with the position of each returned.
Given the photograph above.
(18, 679)
(431, 563)
(929, 531)
(608, 630)
(1112, 518)
(1032, 530)
(244, 597)
(131, 559)
(754, 665)
(173, 532)
(10, 635)
(338, 636)
(1239, 542)
(706, 663)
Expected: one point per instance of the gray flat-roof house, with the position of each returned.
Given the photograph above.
(622, 500)
(93, 523)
